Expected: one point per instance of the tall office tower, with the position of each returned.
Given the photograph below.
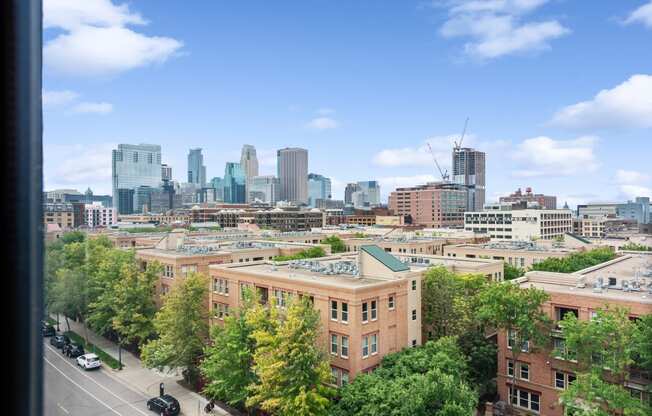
(348, 192)
(133, 166)
(319, 187)
(196, 168)
(217, 183)
(371, 190)
(264, 189)
(469, 170)
(292, 169)
(166, 172)
(249, 163)
(234, 184)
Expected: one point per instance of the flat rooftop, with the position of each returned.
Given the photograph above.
(519, 246)
(194, 248)
(632, 274)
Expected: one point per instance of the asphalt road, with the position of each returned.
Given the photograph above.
(71, 391)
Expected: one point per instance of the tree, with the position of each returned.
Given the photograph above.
(291, 368)
(228, 361)
(644, 343)
(605, 349)
(304, 254)
(512, 272)
(182, 328)
(518, 313)
(426, 380)
(134, 303)
(336, 243)
(449, 301)
(575, 261)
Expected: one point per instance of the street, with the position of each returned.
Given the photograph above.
(71, 391)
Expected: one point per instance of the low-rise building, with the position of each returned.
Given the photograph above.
(97, 215)
(520, 224)
(436, 204)
(60, 213)
(542, 375)
(520, 254)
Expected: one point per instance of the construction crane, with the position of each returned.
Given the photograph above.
(443, 173)
(459, 145)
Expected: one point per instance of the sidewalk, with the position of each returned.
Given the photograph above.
(142, 379)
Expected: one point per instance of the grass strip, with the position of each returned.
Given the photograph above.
(88, 347)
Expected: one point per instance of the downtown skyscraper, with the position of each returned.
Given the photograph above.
(249, 165)
(469, 170)
(196, 168)
(292, 172)
(133, 166)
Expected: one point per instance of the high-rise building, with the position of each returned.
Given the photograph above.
(196, 168)
(249, 164)
(348, 192)
(166, 172)
(218, 184)
(544, 201)
(469, 170)
(234, 184)
(371, 193)
(134, 166)
(436, 204)
(292, 168)
(125, 200)
(142, 199)
(638, 210)
(319, 187)
(264, 189)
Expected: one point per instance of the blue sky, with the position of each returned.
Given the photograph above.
(559, 94)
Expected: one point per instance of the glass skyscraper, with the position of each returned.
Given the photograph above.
(319, 187)
(133, 166)
(234, 184)
(292, 173)
(196, 168)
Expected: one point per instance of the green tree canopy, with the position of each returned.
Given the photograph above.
(336, 243)
(182, 328)
(304, 254)
(575, 261)
(512, 272)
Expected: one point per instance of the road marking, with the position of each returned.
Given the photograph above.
(81, 388)
(101, 386)
(63, 408)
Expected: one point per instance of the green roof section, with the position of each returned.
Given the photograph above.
(385, 258)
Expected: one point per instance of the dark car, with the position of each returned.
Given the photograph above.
(165, 405)
(59, 341)
(73, 350)
(48, 330)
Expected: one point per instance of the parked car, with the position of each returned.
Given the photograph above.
(73, 350)
(165, 405)
(59, 341)
(89, 361)
(47, 330)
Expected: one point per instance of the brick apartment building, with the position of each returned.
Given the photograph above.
(435, 205)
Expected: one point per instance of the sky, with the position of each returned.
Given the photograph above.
(558, 93)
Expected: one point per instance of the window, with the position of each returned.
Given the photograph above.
(525, 371)
(561, 352)
(563, 380)
(374, 344)
(334, 310)
(334, 345)
(414, 285)
(334, 375)
(345, 312)
(374, 310)
(365, 347)
(524, 399)
(365, 313)
(390, 302)
(511, 339)
(414, 342)
(221, 286)
(243, 289)
(510, 368)
(345, 347)
(220, 310)
(414, 314)
(281, 297)
(168, 271)
(345, 378)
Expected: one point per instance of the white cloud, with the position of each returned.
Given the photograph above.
(325, 111)
(57, 98)
(96, 40)
(498, 27)
(323, 123)
(94, 108)
(631, 176)
(543, 156)
(633, 191)
(641, 15)
(626, 105)
(78, 166)
(442, 146)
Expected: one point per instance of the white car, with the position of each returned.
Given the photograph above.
(89, 361)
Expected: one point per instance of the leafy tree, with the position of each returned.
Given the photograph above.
(518, 313)
(292, 370)
(605, 348)
(426, 380)
(182, 328)
(228, 361)
(336, 243)
(304, 254)
(134, 303)
(449, 301)
(73, 237)
(481, 354)
(575, 261)
(635, 247)
(644, 343)
(512, 272)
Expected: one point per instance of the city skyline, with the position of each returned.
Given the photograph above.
(571, 137)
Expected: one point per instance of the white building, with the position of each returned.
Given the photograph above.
(98, 215)
(521, 224)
